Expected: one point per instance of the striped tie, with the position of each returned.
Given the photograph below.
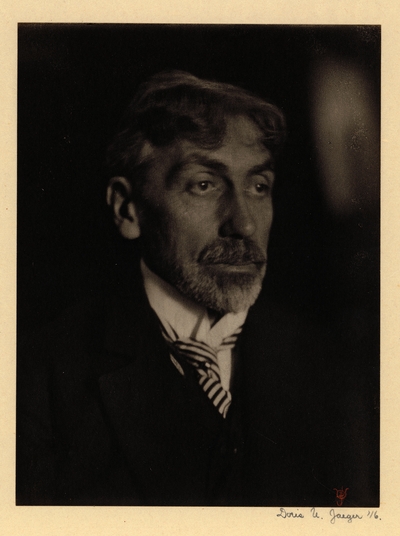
(204, 359)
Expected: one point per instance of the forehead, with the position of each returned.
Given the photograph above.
(242, 149)
(243, 132)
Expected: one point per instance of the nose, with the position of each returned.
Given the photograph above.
(238, 221)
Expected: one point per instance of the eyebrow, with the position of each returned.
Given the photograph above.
(267, 165)
(196, 158)
(215, 165)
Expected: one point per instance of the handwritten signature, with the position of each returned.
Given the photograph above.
(333, 516)
(348, 517)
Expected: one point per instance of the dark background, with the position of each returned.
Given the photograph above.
(75, 81)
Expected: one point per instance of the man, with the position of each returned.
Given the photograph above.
(174, 387)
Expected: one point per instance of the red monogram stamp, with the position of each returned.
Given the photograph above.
(341, 494)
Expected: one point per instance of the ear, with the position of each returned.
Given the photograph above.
(119, 192)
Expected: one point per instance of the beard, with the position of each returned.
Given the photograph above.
(221, 292)
(202, 280)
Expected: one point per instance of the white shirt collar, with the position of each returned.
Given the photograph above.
(187, 318)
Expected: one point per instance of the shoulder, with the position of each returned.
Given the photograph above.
(87, 339)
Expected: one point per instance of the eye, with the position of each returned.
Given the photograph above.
(203, 187)
(260, 187)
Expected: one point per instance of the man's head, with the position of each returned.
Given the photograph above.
(192, 174)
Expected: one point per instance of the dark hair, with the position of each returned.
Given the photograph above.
(176, 105)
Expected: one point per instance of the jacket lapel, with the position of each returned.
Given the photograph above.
(162, 420)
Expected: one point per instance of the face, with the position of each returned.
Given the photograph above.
(206, 217)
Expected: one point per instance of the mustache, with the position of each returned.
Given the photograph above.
(232, 251)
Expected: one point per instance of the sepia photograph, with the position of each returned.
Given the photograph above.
(198, 265)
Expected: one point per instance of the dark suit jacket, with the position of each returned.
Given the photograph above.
(104, 417)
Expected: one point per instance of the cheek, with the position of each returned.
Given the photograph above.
(192, 227)
(190, 238)
(263, 220)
